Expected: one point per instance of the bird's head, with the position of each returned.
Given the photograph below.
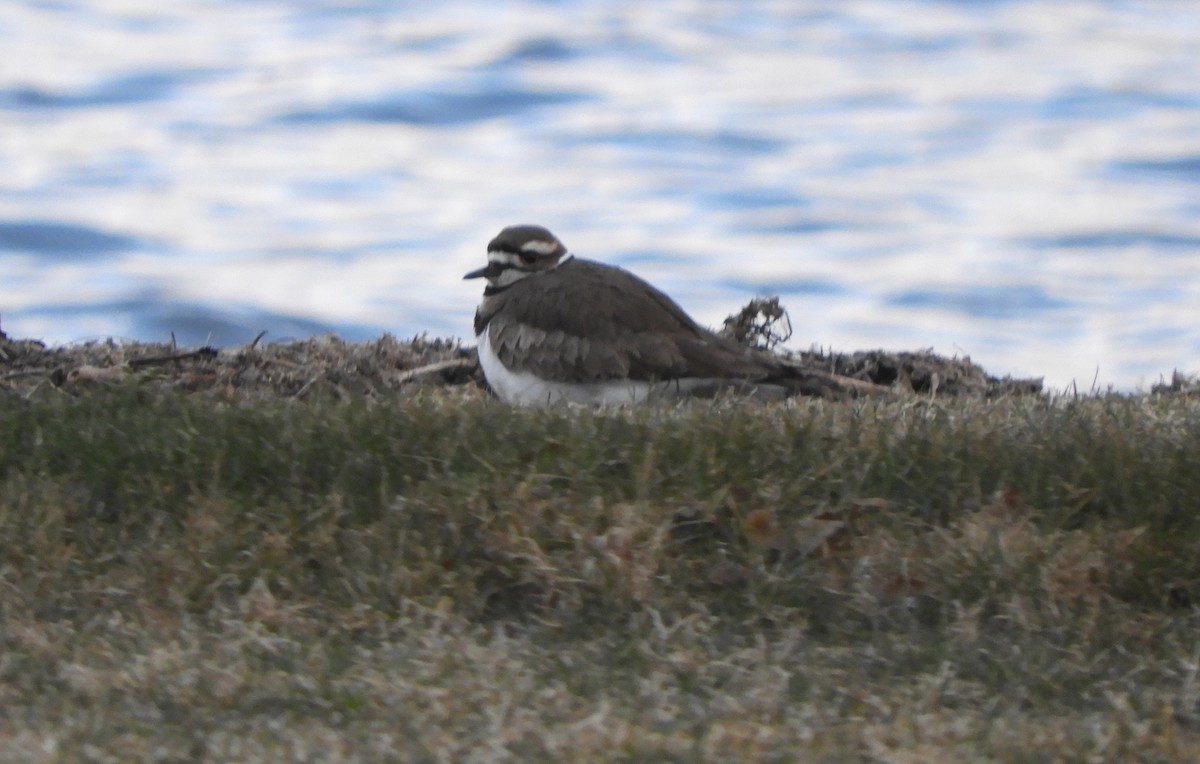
(519, 251)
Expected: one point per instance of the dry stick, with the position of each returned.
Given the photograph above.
(854, 385)
(23, 373)
(205, 352)
(433, 368)
(245, 354)
(305, 387)
(257, 337)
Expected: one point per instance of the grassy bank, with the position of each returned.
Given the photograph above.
(439, 577)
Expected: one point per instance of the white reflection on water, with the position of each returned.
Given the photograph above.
(1016, 181)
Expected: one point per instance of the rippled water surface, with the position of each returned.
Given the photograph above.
(1014, 181)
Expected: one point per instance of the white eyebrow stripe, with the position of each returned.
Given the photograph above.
(540, 247)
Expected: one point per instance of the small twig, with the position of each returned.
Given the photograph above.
(433, 368)
(29, 393)
(245, 356)
(842, 383)
(257, 337)
(283, 362)
(24, 373)
(305, 387)
(204, 352)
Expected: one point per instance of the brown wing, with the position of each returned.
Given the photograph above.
(584, 321)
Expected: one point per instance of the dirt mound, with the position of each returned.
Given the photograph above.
(324, 366)
(330, 367)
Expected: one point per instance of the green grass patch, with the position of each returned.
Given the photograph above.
(440, 577)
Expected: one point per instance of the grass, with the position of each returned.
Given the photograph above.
(440, 577)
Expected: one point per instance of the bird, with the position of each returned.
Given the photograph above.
(555, 328)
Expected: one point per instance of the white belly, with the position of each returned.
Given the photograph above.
(525, 389)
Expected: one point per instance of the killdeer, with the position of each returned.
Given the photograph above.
(553, 327)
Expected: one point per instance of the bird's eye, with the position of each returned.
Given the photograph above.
(528, 258)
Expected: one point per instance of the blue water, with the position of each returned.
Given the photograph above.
(1014, 181)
